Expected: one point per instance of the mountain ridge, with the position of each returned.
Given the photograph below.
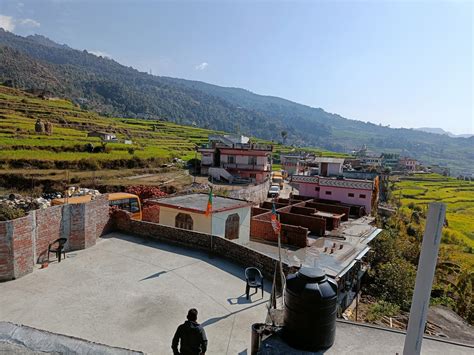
(112, 89)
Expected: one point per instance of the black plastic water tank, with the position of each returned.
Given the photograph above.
(310, 310)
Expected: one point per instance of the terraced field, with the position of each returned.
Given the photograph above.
(458, 195)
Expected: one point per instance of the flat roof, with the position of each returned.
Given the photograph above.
(353, 235)
(198, 203)
(328, 160)
(359, 338)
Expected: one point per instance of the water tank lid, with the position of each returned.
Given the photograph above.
(313, 273)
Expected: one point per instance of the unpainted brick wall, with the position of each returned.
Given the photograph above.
(315, 224)
(257, 211)
(24, 241)
(330, 208)
(6, 253)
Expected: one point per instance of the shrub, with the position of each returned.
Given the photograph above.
(394, 282)
(380, 309)
(7, 213)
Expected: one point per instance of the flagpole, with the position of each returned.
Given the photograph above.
(282, 275)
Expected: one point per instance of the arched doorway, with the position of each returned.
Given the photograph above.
(184, 221)
(232, 225)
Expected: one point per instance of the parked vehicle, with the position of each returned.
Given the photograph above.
(123, 201)
(274, 191)
(277, 179)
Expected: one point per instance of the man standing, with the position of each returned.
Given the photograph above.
(191, 335)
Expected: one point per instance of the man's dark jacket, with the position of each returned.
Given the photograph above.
(192, 338)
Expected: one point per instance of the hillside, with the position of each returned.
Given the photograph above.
(105, 86)
(153, 142)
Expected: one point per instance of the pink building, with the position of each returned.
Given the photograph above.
(350, 191)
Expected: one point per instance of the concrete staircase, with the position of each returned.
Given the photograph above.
(220, 173)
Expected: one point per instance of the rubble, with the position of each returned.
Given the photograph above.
(27, 203)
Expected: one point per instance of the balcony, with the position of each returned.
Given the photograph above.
(257, 167)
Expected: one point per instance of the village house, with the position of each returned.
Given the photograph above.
(229, 218)
(292, 163)
(371, 161)
(390, 160)
(105, 136)
(232, 158)
(408, 164)
(331, 185)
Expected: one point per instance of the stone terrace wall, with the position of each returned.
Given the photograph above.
(24, 241)
(216, 245)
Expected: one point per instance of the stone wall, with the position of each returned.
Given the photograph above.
(24, 241)
(257, 193)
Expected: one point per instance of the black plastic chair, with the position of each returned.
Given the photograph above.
(59, 249)
(254, 279)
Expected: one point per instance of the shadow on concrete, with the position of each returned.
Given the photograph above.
(242, 299)
(243, 352)
(217, 319)
(158, 274)
(216, 261)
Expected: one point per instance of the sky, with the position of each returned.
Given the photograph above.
(398, 63)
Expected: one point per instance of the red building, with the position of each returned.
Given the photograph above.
(232, 157)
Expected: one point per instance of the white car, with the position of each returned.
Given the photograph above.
(274, 191)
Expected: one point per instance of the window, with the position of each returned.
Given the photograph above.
(253, 176)
(184, 221)
(328, 192)
(253, 160)
(316, 188)
(127, 204)
(361, 196)
(232, 226)
(231, 159)
(350, 195)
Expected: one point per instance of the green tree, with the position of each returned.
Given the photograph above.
(394, 282)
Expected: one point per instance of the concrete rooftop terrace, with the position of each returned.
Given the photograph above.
(130, 293)
(198, 202)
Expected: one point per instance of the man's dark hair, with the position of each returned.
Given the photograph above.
(192, 315)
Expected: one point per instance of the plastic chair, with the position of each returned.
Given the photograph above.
(59, 249)
(254, 279)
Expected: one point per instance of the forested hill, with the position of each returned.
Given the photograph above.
(103, 85)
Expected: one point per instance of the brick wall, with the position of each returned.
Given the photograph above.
(330, 208)
(315, 224)
(23, 253)
(257, 211)
(239, 254)
(292, 235)
(49, 227)
(6, 253)
(24, 241)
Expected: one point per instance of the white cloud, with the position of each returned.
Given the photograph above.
(7, 23)
(100, 54)
(202, 66)
(28, 22)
